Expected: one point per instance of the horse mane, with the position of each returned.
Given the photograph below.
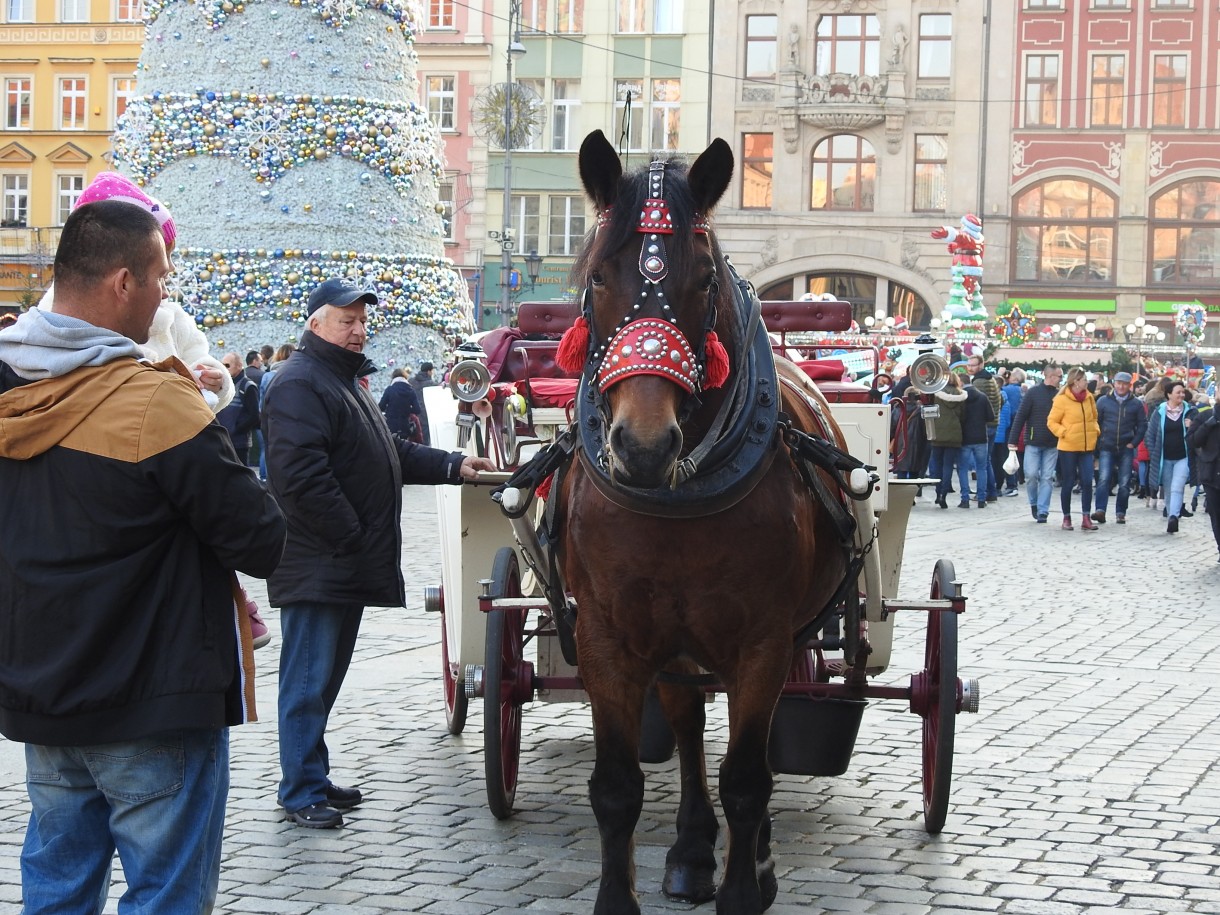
(623, 227)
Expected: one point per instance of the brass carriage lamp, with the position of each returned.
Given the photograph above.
(533, 267)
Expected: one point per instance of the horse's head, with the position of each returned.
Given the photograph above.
(657, 299)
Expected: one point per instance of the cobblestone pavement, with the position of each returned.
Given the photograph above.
(1087, 783)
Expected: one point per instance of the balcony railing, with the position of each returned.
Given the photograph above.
(32, 244)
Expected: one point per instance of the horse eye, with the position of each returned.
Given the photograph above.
(708, 282)
(596, 278)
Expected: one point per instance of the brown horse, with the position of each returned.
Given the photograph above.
(690, 539)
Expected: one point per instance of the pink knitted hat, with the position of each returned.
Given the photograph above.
(113, 186)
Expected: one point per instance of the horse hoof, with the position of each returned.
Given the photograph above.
(768, 886)
(690, 884)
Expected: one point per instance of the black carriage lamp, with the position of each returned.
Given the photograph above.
(533, 267)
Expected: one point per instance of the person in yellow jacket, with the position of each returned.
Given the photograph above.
(1073, 421)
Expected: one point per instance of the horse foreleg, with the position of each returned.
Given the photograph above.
(690, 864)
(748, 886)
(616, 790)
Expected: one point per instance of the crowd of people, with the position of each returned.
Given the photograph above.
(1095, 438)
(140, 474)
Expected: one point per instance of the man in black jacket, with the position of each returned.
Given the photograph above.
(240, 416)
(337, 471)
(1041, 446)
(1122, 420)
(124, 659)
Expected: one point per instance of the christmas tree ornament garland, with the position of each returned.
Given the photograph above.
(285, 137)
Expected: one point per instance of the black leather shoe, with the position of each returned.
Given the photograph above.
(1186, 514)
(343, 798)
(317, 816)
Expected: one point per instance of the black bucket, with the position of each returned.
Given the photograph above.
(657, 740)
(814, 736)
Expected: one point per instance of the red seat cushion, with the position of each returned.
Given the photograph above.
(550, 392)
(823, 369)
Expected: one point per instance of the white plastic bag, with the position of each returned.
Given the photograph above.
(1011, 463)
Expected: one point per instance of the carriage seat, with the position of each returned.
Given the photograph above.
(532, 344)
(784, 318)
(530, 361)
(803, 316)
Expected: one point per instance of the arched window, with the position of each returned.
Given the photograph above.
(1064, 232)
(1186, 233)
(844, 174)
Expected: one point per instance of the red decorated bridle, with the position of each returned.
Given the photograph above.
(650, 345)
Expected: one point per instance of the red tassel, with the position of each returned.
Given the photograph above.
(717, 362)
(573, 346)
(544, 488)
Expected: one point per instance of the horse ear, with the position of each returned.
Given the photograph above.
(709, 176)
(600, 170)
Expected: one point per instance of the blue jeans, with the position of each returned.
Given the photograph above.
(159, 801)
(989, 491)
(1111, 464)
(979, 457)
(940, 465)
(1173, 479)
(1075, 466)
(262, 454)
(316, 645)
(1040, 476)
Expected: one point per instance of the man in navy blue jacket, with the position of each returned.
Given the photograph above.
(337, 472)
(1122, 420)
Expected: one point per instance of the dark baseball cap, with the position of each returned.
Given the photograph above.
(340, 293)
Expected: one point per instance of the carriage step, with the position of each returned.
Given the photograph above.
(970, 695)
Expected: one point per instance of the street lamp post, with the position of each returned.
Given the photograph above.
(515, 48)
(533, 267)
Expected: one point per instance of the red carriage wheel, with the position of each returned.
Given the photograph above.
(934, 698)
(505, 690)
(456, 703)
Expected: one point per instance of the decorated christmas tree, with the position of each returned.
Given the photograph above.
(285, 138)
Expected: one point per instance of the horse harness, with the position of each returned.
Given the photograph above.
(740, 444)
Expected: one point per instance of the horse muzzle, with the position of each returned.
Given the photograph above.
(643, 455)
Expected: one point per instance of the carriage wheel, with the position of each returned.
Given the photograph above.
(504, 671)
(939, 708)
(456, 703)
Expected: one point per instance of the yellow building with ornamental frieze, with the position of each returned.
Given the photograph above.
(67, 68)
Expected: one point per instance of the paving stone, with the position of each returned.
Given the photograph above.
(1086, 785)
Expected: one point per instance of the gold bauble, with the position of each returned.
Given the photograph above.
(209, 321)
(225, 296)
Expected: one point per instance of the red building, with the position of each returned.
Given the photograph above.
(1114, 175)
